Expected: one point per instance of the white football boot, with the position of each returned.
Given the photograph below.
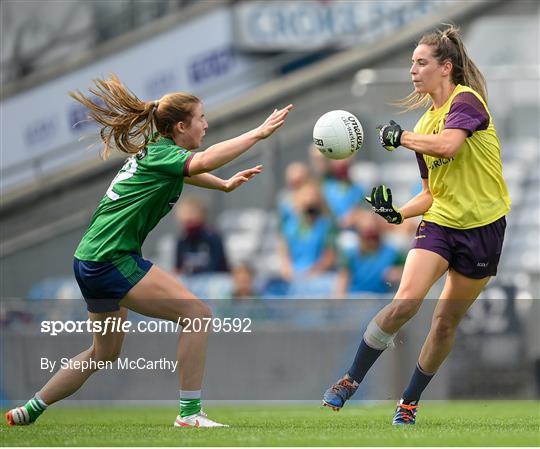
(197, 420)
(18, 416)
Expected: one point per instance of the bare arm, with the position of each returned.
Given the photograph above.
(206, 181)
(209, 181)
(221, 153)
(418, 205)
(444, 145)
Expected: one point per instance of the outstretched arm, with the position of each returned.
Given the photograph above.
(221, 153)
(209, 181)
(206, 181)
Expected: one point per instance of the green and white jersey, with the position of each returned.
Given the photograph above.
(142, 193)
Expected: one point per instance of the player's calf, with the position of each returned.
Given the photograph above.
(373, 344)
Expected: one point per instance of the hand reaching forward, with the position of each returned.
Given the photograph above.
(273, 122)
(241, 177)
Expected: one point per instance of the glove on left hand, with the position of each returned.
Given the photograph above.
(390, 135)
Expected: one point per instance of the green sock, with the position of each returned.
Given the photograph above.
(190, 402)
(189, 407)
(35, 407)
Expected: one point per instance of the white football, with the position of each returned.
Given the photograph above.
(338, 134)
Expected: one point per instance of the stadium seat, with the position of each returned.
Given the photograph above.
(55, 288)
(249, 219)
(365, 174)
(209, 286)
(240, 246)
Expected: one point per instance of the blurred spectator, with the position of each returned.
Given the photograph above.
(401, 236)
(308, 236)
(243, 279)
(318, 163)
(371, 266)
(198, 249)
(296, 174)
(340, 193)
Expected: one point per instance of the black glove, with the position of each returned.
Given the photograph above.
(381, 203)
(390, 135)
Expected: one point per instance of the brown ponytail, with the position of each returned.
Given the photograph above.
(127, 122)
(448, 45)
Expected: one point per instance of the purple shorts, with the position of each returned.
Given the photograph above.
(472, 252)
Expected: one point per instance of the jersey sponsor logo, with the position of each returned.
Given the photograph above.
(440, 162)
(482, 264)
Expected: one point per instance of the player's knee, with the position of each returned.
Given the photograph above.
(105, 354)
(443, 328)
(204, 311)
(199, 310)
(377, 338)
(404, 310)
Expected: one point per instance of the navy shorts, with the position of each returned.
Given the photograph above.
(474, 253)
(104, 284)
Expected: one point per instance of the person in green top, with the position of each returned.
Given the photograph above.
(160, 138)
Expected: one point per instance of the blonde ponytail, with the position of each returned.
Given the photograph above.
(127, 123)
(465, 71)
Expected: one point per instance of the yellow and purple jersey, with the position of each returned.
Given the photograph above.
(468, 189)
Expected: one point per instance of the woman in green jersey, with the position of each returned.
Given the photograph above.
(464, 202)
(160, 137)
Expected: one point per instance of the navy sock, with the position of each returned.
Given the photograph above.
(364, 360)
(419, 382)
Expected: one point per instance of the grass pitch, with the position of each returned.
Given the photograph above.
(474, 423)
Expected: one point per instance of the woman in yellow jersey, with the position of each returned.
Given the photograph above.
(463, 202)
(109, 267)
